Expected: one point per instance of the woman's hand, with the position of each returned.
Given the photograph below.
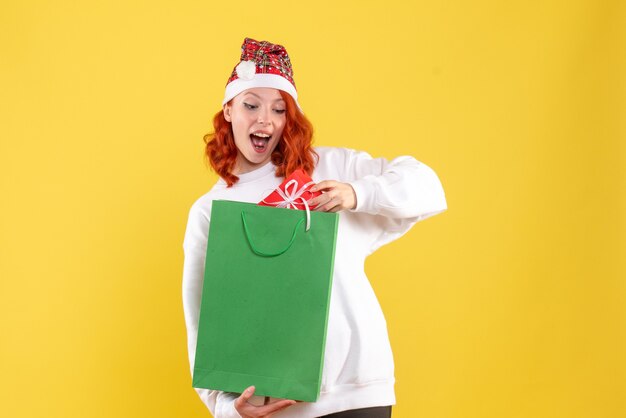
(335, 196)
(247, 410)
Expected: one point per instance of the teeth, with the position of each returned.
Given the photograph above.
(261, 134)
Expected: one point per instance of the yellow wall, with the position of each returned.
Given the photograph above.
(510, 304)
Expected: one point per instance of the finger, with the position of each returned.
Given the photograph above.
(316, 200)
(323, 185)
(275, 407)
(337, 206)
(323, 207)
(243, 398)
(274, 400)
(321, 200)
(313, 203)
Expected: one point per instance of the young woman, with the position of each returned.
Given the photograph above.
(261, 136)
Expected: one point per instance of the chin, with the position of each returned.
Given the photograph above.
(257, 160)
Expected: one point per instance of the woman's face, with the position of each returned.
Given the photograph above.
(258, 117)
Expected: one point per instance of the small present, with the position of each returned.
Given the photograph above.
(293, 192)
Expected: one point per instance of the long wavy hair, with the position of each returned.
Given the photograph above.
(294, 150)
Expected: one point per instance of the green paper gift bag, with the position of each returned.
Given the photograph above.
(265, 299)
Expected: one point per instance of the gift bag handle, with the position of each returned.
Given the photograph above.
(264, 254)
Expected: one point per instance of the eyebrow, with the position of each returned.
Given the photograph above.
(256, 95)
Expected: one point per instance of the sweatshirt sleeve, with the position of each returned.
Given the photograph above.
(402, 188)
(398, 193)
(221, 404)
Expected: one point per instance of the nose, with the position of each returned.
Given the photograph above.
(264, 116)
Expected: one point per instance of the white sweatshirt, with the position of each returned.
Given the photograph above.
(391, 197)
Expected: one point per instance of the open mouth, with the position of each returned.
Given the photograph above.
(260, 141)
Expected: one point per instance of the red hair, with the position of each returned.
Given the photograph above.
(293, 151)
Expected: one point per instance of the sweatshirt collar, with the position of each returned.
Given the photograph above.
(253, 175)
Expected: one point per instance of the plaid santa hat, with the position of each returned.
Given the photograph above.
(262, 64)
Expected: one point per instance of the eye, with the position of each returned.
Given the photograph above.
(280, 111)
(249, 106)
